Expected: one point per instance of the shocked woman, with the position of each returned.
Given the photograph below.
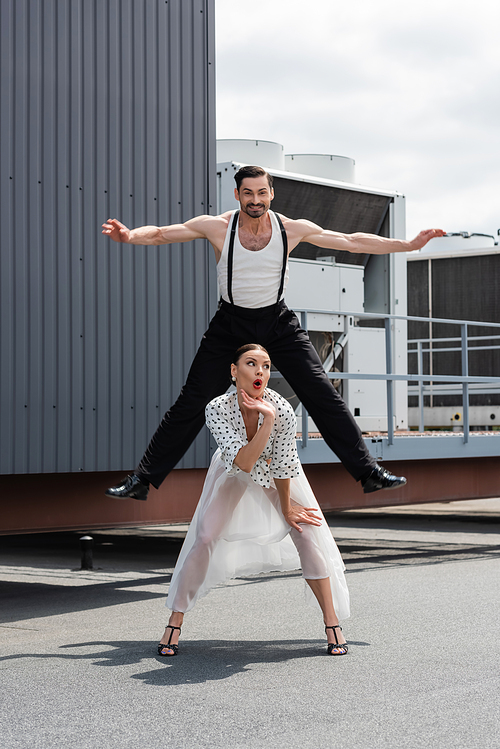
(257, 511)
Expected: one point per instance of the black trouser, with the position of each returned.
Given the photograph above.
(292, 353)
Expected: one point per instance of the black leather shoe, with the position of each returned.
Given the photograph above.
(380, 478)
(130, 488)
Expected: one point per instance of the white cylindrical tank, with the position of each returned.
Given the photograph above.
(263, 153)
(321, 165)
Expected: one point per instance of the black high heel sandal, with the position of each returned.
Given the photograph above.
(336, 645)
(163, 646)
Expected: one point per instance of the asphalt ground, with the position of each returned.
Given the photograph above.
(78, 648)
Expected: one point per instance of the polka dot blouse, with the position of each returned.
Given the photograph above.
(224, 419)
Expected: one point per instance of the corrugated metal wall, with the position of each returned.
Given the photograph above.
(107, 110)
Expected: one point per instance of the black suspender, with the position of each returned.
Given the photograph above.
(285, 256)
(230, 255)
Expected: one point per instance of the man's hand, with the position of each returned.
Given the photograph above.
(116, 230)
(297, 514)
(424, 237)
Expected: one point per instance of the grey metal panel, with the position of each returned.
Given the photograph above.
(464, 288)
(107, 110)
(338, 209)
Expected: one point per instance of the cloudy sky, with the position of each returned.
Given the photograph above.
(411, 91)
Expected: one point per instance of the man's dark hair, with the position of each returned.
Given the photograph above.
(251, 171)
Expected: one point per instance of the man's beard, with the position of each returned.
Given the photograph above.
(256, 212)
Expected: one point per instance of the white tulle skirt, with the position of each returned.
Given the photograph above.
(238, 529)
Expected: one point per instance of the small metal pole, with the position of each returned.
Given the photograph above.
(420, 358)
(86, 543)
(388, 360)
(465, 386)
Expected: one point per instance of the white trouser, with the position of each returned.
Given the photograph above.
(191, 575)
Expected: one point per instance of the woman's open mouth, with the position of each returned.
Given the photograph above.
(257, 384)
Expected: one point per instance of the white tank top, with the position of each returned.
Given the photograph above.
(256, 274)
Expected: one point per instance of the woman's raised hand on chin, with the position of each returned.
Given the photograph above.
(257, 404)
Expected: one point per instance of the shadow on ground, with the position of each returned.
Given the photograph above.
(199, 661)
(26, 600)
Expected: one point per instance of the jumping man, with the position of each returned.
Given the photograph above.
(251, 248)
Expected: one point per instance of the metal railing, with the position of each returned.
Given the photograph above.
(466, 349)
(391, 377)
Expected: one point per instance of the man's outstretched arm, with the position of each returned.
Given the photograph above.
(369, 244)
(197, 228)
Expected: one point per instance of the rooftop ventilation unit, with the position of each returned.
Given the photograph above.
(336, 285)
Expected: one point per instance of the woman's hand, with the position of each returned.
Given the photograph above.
(249, 454)
(258, 404)
(297, 514)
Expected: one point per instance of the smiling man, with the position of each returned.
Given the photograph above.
(251, 248)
